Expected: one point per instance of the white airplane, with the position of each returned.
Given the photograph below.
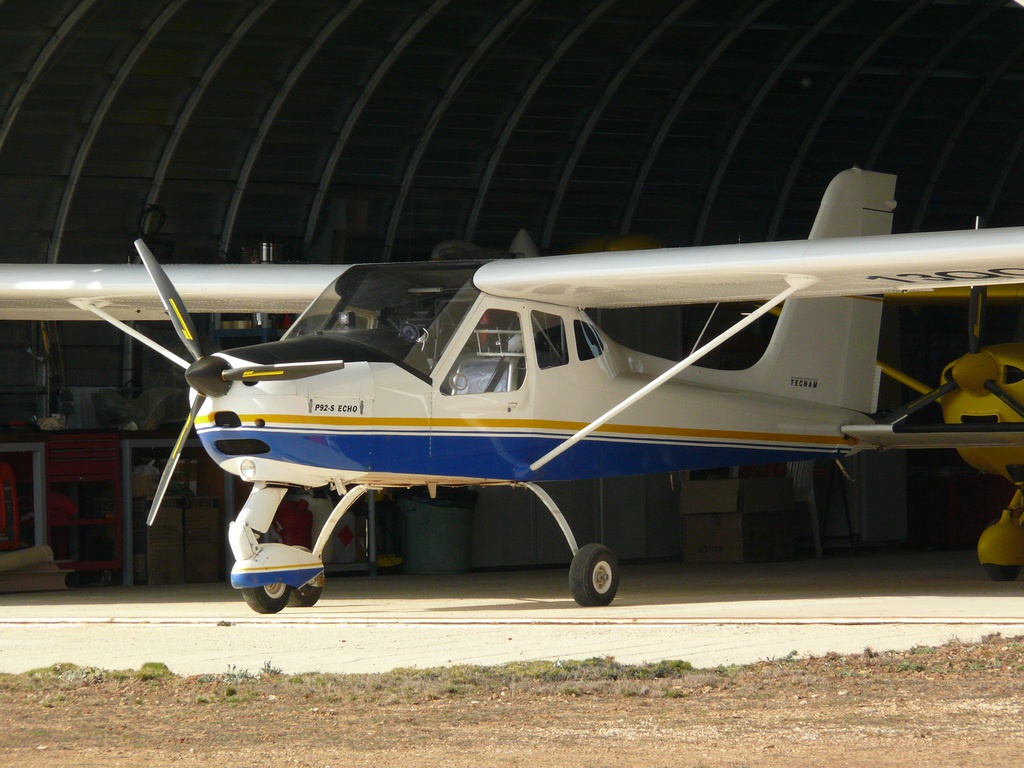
(467, 373)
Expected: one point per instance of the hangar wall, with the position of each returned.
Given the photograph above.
(370, 131)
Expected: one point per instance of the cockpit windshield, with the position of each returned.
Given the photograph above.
(408, 312)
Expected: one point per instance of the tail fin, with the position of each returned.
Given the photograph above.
(824, 350)
(856, 203)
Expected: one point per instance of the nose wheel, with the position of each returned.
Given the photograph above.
(269, 599)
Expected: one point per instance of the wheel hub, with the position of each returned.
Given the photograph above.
(274, 591)
(602, 577)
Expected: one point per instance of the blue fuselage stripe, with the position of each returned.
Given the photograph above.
(506, 455)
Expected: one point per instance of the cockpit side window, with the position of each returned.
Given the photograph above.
(589, 345)
(492, 360)
(549, 340)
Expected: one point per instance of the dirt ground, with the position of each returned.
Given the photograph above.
(953, 705)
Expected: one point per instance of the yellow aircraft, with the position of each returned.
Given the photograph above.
(983, 387)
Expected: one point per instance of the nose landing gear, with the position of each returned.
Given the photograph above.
(1001, 545)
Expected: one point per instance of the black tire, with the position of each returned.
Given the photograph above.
(270, 599)
(305, 596)
(1001, 572)
(594, 575)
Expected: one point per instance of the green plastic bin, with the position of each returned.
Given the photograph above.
(438, 535)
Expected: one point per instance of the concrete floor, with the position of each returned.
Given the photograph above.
(705, 614)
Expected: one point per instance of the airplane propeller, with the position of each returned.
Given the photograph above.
(209, 375)
(976, 373)
(186, 330)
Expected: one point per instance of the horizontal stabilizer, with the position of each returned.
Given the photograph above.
(937, 435)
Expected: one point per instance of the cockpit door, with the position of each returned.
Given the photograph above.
(481, 396)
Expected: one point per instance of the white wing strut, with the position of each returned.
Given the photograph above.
(130, 331)
(796, 283)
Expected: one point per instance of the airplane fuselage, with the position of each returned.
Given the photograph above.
(511, 380)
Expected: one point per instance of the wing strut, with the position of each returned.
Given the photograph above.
(796, 283)
(130, 331)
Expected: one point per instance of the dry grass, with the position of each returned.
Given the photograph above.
(947, 706)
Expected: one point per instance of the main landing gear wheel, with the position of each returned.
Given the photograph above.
(594, 575)
(1001, 547)
(305, 596)
(1001, 572)
(269, 599)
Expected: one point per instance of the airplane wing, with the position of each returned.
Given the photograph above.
(125, 291)
(743, 272)
(842, 266)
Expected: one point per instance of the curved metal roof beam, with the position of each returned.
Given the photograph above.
(740, 130)
(672, 115)
(185, 116)
(1004, 173)
(588, 128)
(517, 113)
(98, 117)
(812, 133)
(357, 112)
(39, 65)
(271, 115)
(965, 117)
(435, 118)
(921, 78)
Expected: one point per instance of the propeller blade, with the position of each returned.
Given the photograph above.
(281, 371)
(976, 317)
(916, 405)
(1005, 396)
(172, 302)
(172, 462)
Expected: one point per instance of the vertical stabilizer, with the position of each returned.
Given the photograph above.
(824, 350)
(856, 203)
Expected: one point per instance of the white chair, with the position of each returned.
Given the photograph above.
(802, 473)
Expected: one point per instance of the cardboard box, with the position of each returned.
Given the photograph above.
(203, 540)
(745, 520)
(749, 495)
(202, 561)
(202, 519)
(164, 545)
(144, 485)
(734, 537)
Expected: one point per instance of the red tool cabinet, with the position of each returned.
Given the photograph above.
(84, 516)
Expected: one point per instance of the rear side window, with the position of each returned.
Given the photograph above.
(549, 340)
(588, 341)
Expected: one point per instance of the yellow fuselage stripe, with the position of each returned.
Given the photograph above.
(567, 427)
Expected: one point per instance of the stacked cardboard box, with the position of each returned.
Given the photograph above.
(745, 520)
(203, 540)
(158, 554)
(183, 545)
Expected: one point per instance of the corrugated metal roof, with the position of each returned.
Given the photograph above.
(405, 122)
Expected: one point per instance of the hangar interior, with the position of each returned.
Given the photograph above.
(327, 131)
